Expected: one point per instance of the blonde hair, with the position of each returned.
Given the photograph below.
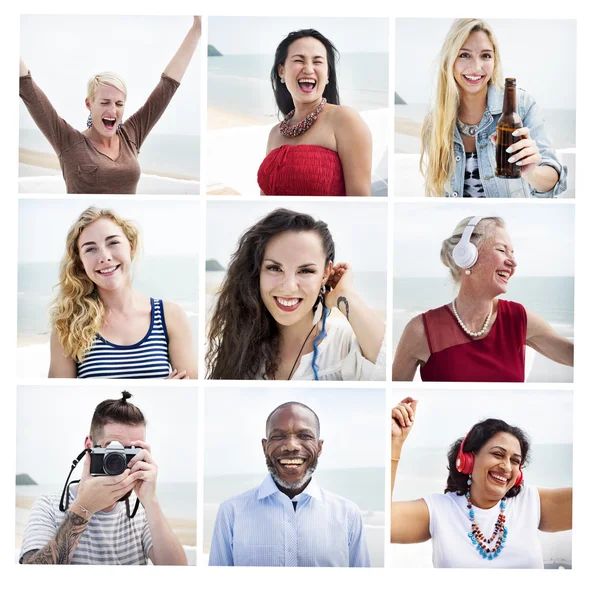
(106, 78)
(437, 160)
(480, 234)
(76, 313)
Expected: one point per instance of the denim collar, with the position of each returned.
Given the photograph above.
(494, 104)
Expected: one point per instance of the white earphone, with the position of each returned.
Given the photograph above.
(465, 252)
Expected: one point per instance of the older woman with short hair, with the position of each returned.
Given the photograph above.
(477, 337)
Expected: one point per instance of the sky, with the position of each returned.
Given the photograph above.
(169, 226)
(261, 35)
(57, 51)
(542, 236)
(539, 53)
(442, 416)
(53, 421)
(359, 229)
(352, 425)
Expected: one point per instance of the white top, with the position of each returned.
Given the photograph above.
(340, 358)
(450, 524)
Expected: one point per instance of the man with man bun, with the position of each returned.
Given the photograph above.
(95, 523)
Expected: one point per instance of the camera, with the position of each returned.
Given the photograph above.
(112, 460)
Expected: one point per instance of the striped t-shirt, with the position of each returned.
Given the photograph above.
(148, 359)
(110, 538)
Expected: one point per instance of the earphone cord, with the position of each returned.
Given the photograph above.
(300, 351)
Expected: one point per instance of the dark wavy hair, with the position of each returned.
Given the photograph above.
(282, 95)
(475, 440)
(243, 336)
(115, 411)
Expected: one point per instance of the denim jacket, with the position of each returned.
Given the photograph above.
(493, 186)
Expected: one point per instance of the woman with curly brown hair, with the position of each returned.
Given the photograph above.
(269, 321)
(99, 321)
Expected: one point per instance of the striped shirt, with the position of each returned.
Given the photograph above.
(262, 528)
(148, 359)
(110, 538)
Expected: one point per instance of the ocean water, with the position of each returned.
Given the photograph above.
(550, 297)
(364, 487)
(173, 155)
(371, 285)
(560, 124)
(178, 500)
(241, 83)
(173, 278)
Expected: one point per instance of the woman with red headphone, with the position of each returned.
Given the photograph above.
(486, 513)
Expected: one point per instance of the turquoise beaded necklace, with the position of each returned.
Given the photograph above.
(486, 547)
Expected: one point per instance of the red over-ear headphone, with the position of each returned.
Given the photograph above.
(466, 460)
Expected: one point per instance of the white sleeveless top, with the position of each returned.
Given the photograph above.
(450, 524)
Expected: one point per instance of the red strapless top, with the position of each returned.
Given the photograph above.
(302, 170)
(454, 356)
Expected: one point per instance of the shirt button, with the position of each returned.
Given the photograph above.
(457, 158)
(455, 194)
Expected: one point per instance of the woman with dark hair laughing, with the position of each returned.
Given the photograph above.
(487, 516)
(320, 148)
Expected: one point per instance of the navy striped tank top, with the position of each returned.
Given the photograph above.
(148, 359)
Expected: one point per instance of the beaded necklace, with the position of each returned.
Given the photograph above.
(303, 125)
(484, 545)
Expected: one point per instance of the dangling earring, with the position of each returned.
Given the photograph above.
(323, 289)
(327, 81)
(468, 272)
(282, 80)
(89, 121)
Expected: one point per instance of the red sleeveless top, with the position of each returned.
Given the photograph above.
(301, 170)
(455, 356)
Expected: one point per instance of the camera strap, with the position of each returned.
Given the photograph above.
(63, 506)
(65, 495)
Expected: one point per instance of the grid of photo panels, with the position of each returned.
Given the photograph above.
(266, 315)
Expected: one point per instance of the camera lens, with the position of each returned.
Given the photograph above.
(114, 463)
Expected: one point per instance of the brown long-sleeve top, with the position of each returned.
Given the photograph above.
(86, 170)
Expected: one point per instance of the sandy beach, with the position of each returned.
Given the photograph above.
(219, 118)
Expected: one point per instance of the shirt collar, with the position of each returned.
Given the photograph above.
(268, 487)
(495, 99)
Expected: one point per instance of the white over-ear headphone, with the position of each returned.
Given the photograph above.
(465, 252)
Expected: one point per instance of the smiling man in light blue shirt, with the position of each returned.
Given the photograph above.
(288, 520)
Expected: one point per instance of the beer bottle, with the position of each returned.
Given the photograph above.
(509, 122)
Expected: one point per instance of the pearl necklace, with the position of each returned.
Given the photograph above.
(484, 545)
(468, 331)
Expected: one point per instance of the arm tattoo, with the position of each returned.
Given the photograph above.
(60, 549)
(343, 299)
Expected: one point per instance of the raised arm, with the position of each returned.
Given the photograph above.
(23, 69)
(180, 61)
(556, 509)
(410, 521)
(544, 339)
(412, 350)
(355, 149)
(60, 365)
(181, 348)
(368, 328)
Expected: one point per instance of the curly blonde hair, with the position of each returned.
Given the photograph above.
(76, 313)
(437, 161)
